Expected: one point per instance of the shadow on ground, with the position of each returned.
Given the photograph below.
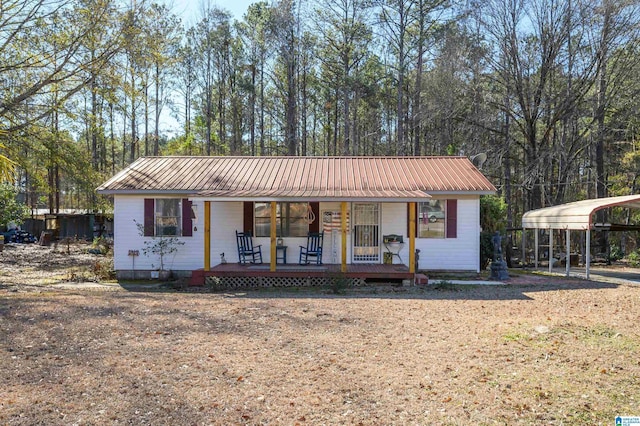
(515, 289)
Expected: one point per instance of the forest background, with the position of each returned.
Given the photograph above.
(547, 89)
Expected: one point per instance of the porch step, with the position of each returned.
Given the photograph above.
(197, 278)
(422, 279)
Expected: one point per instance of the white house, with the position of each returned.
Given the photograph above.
(433, 203)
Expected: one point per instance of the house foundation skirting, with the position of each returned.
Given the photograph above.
(144, 274)
(253, 276)
(230, 283)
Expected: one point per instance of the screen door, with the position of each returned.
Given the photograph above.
(366, 233)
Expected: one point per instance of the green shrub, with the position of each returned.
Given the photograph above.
(634, 258)
(486, 249)
(616, 253)
(493, 216)
(338, 283)
(10, 209)
(102, 244)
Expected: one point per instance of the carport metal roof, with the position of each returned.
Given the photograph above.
(577, 215)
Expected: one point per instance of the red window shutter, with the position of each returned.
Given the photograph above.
(452, 219)
(315, 225)
(187, 225)
(149, 217)
(248, 217)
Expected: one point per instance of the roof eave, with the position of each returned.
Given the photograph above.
(463, 192)
(261, 198)
(164, 192)
(323, 199)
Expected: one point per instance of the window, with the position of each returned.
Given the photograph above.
(432, 219)
(291, 219)
(168, 219)
(168, 216)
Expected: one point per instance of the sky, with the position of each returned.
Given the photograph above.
(189, 12)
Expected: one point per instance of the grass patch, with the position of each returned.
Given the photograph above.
(515, 337)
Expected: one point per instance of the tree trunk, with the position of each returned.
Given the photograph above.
(290, 112)
(252, 116)
(417, 113)
(146, 117)
(134, 136)
(158, 109)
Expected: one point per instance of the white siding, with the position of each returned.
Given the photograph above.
(127, 237)
(226, 219)
(456, 254)
(394, 221)
(461, 253)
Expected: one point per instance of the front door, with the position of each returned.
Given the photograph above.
(366, 233)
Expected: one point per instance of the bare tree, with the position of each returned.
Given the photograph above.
(29, 74)
(529, 65)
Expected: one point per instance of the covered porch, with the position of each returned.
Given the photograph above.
(341, 262)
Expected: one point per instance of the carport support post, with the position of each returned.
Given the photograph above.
(550, 250)
(588, 253)
(207, 235)
(523, 259)
(343, 231)
(272, 264)
(568, 257)
(535, 255)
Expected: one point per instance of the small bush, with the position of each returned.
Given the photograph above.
(616, 253)
(103, 269)
(486, 249)
(102, 245)
(634, 258)
(339, 283)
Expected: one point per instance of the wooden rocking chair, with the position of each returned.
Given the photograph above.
(313, 249)
(247, 252)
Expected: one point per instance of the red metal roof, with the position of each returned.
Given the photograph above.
(300, 177)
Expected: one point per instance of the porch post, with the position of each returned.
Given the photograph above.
(412, 238)
(272, 266)
(207, 235)
(568, 259)
(343, 229)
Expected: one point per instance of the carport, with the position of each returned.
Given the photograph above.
(576, 216)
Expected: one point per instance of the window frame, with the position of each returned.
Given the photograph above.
(157, 227)
(442, 234)
(283, 227)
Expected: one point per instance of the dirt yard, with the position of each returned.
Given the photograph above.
(537, 351)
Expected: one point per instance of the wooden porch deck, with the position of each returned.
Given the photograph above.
(357, 271)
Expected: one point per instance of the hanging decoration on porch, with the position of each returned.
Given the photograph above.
(331, 221)
(311, 217)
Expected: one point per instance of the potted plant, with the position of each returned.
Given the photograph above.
(161, 246)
